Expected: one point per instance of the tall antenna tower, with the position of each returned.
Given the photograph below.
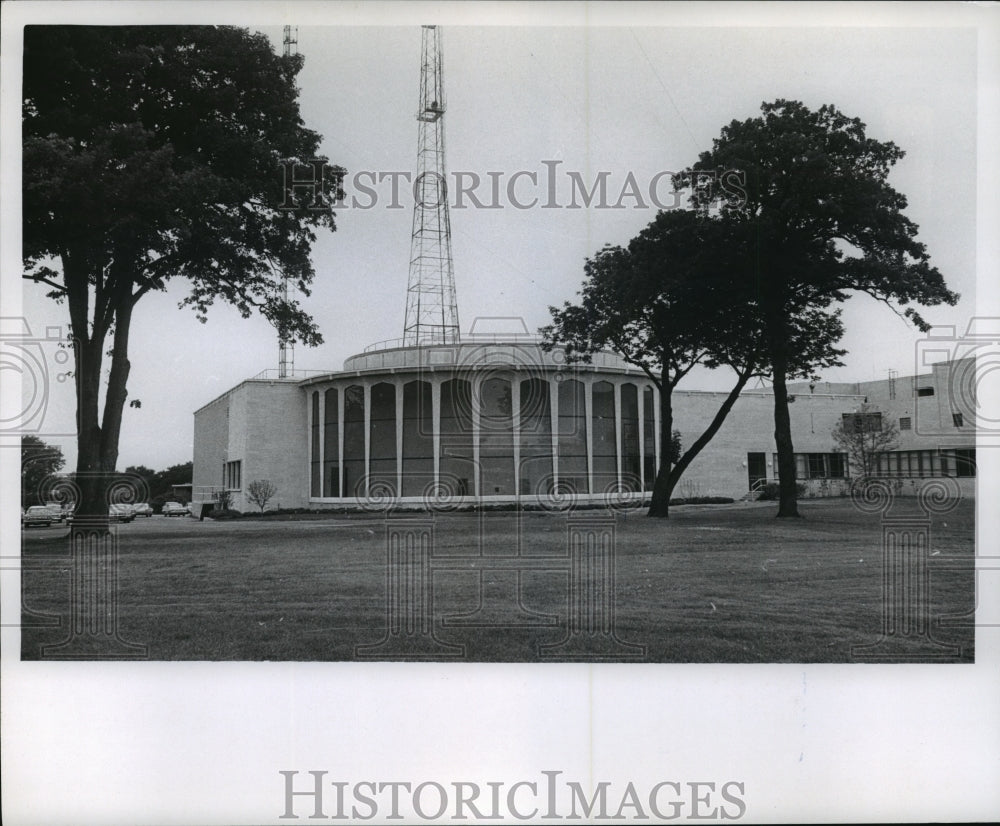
(286, 347)
(431, 307)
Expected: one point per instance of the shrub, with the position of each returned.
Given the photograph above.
(770, 491)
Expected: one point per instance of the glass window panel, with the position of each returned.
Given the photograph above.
(496, 438)
(535, 473)
(331, 462)
(457, 468)
(965, 462)
(837, 469)
(630, 437)
(382, 447)
(573, 436)
(315, 467)
(418, 438)
(354, 440)
(605, 444)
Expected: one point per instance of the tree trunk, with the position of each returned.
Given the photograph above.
(787, 496)
(659, 505)
(89, 475)
(114, 402)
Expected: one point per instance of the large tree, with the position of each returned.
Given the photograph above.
(825, 222)
(156, 153)
(678, 296)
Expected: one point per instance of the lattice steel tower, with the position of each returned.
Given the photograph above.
(286, 347)
(431, 307)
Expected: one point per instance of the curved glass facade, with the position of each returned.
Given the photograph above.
(500, 433)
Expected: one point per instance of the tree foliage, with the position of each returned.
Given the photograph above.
(39, 461)
(824, 222)
(680, 295)
(153, 154)
(160, 482)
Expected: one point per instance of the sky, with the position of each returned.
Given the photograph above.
(642, 97)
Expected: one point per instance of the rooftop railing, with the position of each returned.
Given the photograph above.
(508, 338)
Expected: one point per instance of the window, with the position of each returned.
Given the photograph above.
(957, 419)
(630, 437)
(314, 459)
(496, 439)
(457, 468)
(382, 437)
(817, 469)
(925, 391)
(418, 438)
(535, 472)
(818, 465)
(917, 464)
(905, 423)
(965, 462)
(231, 475)
(331, 445)
(354, 441)
(573, 469)
(605, 443)
(836, 464)
(862, 422)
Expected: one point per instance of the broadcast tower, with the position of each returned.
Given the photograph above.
(431, 306)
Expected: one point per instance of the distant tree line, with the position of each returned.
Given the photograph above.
(161, 482)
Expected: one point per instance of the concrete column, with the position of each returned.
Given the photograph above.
(619, 448)
(436, 426)
(477, 387)
(398, 385)
(368, 435)
(554, 418)
(641, 396)
(588, 406)
(309, 446)
(340, 441)
(515, 413)
(321, 435)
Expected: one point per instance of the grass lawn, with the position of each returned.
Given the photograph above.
(725, 583)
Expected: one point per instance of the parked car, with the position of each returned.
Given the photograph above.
(121, 513)
(37, 515)
(175, 509)
(58, 514)
(142, 509)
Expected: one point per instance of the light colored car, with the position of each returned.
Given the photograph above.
(121, 513)
(142, 509)
(58, 514)
(175, 509)
(38, 515)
